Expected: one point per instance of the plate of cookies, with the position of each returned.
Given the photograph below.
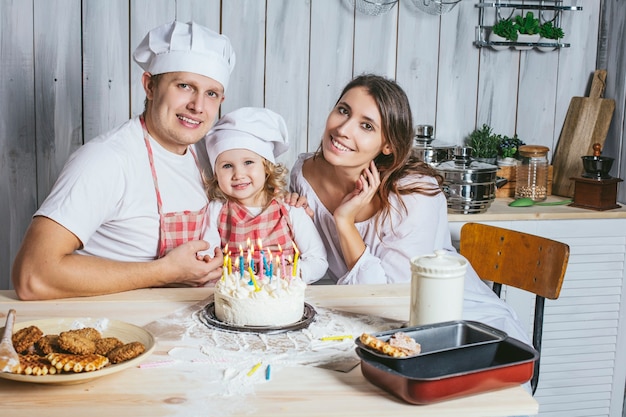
(76, 350)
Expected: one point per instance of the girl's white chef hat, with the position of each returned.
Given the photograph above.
(187, 47)
(257, 129)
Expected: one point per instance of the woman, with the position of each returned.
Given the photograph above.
(375, 205)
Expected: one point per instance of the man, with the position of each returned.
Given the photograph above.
(128, 208)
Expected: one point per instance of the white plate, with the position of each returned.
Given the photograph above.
(126, 332)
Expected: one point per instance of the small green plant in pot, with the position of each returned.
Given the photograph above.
(528, 29)
(503, 30)
(549, 34)
(509, 149)
(484, 144)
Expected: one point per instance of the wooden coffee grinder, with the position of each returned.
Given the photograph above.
(596, 189)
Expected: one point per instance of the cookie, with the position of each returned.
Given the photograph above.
(25, 338)
(87, 332)
(126, 352)
(48, 344)
(107, 344)
(75, 343)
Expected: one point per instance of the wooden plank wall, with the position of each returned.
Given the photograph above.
(67, 75)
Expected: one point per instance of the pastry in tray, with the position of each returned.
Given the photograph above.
(399, 345)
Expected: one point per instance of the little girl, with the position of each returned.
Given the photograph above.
(247, 190)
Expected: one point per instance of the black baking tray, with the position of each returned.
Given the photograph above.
(446, 346)
(511, 363)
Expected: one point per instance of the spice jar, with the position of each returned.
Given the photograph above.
(532, 173)
(437, 284)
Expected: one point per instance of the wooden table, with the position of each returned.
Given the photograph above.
(166, 391)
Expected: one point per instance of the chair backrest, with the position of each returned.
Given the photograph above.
(532, 263)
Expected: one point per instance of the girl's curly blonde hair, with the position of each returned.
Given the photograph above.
(275, 183)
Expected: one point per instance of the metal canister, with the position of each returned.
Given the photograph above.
(429, 149)
(469, 185)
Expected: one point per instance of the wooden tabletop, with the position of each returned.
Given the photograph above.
(179, 389)
(499, 210)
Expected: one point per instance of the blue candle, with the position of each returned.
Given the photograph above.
(265, 267)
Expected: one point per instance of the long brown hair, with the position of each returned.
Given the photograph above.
(397, 131)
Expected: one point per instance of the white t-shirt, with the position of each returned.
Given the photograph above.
(389, 250)
(105, 194)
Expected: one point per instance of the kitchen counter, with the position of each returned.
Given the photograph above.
(500, 210)
(190, 389)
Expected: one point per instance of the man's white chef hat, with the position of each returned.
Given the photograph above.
(257, 129)
(186, 47)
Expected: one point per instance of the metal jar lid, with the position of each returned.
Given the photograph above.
(464, 163)
(429, 149)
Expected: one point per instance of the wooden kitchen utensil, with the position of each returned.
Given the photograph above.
(587, 122)
(9, 360)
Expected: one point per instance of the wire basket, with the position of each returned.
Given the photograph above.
(374, 7)
(435, 7)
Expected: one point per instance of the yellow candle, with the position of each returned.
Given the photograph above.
(295, 260)
(230, 264)
(254, 369)
(251, 272)
(343, 337)
(253, 278)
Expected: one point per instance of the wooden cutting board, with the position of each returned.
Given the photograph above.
(587, 122)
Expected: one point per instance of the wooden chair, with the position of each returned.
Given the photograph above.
(531, 263)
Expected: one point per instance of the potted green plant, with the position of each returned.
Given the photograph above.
(548, 33)
(484, 144)
(508, 150)
(504, 30)
(528, 29)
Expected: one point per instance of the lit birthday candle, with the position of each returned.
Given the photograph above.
(240, 261)
(263, 258)
(290, 260)
(295, 260)
(271, 265)
(252, 277)
(225, 265)
(282, 262)
(262, 263)
(270, 271)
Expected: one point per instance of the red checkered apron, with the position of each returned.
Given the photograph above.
(176, 227)
(272, 226)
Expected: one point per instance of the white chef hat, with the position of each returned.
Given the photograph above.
(257, 129)
(188, 47)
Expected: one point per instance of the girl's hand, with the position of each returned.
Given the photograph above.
(364, 191)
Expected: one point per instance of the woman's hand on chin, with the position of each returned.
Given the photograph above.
(365, 189)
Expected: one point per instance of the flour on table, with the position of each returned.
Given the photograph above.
(225, 358)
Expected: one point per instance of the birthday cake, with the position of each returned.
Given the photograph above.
(242, 300)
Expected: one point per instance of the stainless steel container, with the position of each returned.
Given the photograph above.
(469, 185)
(430, 150)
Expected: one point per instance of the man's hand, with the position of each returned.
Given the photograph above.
(190, 269)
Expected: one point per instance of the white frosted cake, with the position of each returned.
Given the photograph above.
(272, 302)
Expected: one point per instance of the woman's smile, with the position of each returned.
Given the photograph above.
(339, 146)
